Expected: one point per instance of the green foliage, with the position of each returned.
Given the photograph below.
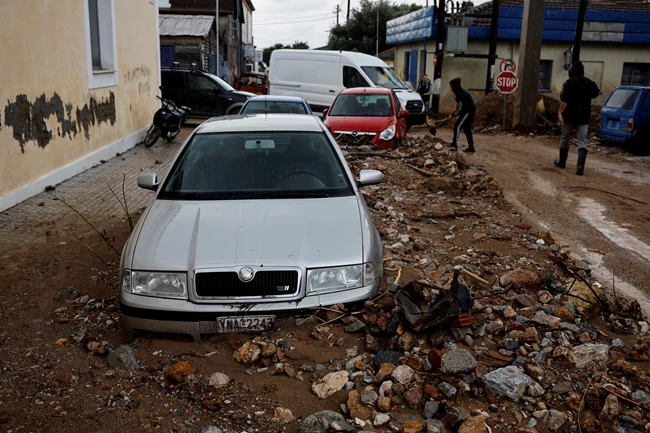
(297, 45)
(359, 32)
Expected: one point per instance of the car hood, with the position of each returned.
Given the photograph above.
(360, 124)
(240, 94)
(186, 235)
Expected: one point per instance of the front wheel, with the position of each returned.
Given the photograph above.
(152, 136)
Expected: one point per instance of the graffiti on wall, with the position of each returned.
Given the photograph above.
(141, 75)
(28, 119)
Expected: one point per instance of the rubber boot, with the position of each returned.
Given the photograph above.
(564, 154)
(470, 149)
(582, 157)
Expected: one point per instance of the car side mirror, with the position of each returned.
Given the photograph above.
(148, 181)
(403, 113)
(370, 177)
(325, 111)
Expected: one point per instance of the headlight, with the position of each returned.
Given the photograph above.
(342, 278)
(158, 284)
(388, 133)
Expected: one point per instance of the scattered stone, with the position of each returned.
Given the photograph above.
(494, 326)
(385, 389)
(474, 424)
(355, 326)
(218, 380)
(640, 397)
(430, 409)
(414, 396)
(356, 407)
(611, 408)
(384, 403)
(556, 420)
(521, 279)
(525, 300)
(457, 361)
(384, 372)
(447, 390)
(330, 384)
(68, 294)
(455, 417)
(403, 374)
(563, 313)
(381, 419)
(407, 341)
(510, 382)
(122, 357)
(368, 397)
(178, 371)
(535, 390)
(589, 354)
(509, 313)
(413, 427)
(562, 388)
(211, 429)
(435, 426)
(320, 422)
(283, 415)
(250, 352)
(340, 426)
(387, 357)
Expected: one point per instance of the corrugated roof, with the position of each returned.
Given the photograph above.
(185, 25)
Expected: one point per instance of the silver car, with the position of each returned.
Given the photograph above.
(258, 215)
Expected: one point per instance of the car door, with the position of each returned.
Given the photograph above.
(174, 87)
(204, 95)
(642, 117)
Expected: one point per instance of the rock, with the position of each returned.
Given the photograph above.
(386, 389)
(589, 354)
(268, 350)
(455, 417)
(509, 313)
(556, 420)
(586, 309)
(406, 341)
(355, 326)
(356, 408)
(562, 388)
(629, 422)
(525, 300)
(368, 397)
(403, 374)
(640, 397)
(626, 430)
(611, 408)
(521, 279)
(474, 424)
(510, 344)
(447, 390)
(530, 335)
(338, 426)
(435, 426)
(250, 352)
(320, 422)
(387, 357)
(211, 429)
(217, 380)
(494, 326)
(617, 342)
(510, 382)
(563, 313)
(384, 403)
(381, 419)
(384, 372)
(178, 371)
(283, 415)
(330, 383)
(122, 357)
(535, 390)
(68, 294)
(430, 409)
(457, 361)
(413, 427)
(414, 396)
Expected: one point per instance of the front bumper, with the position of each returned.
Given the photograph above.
(184, 317)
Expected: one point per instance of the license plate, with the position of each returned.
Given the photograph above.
(232, 325)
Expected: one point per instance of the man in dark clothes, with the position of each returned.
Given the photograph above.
(424, 89)
(465, 112)
(574, 113)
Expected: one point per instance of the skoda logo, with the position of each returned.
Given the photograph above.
(354, 133)
(246, 274)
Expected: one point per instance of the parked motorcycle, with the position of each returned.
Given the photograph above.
(167, 122)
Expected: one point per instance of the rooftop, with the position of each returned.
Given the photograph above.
(185, 25)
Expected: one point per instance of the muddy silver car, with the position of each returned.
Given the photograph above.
(258, 215)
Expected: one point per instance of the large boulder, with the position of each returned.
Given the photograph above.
(320, 422)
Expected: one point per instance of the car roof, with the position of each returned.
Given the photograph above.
(272, 98)
(633, 87)
(368, 90)
(260, 122)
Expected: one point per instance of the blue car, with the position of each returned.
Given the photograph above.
(625, 117)
(265, 104)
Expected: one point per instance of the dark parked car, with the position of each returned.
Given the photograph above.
(206, 94)
(625, 118)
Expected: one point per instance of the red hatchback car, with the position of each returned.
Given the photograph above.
(367, 115)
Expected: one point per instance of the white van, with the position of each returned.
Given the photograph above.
(318, 76)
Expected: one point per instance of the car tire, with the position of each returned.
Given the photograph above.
(153, 134)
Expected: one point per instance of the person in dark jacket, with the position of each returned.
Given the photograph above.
(574, 113)
(425, 89)
(465, 112)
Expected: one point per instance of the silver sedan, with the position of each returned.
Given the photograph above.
(258, 215)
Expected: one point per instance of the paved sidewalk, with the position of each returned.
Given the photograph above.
(88, 193)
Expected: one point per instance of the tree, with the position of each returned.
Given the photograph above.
(297, 45)
(359, 32)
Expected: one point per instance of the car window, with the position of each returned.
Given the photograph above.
(353, 78)
(273, 107)
(199, 82)
(172, 80)
(622, 98)
(225, 86)
(383, 77)
(255, 165)
(398, 104)
(646, 104)
(361, 105)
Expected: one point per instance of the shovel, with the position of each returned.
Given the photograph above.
(433, 130)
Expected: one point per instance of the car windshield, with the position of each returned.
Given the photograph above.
(383, 77)
(257, 165)
(622, 98)
(361, 105)
(273, 107)
(225, 86)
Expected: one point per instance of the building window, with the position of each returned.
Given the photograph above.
(100, 43)
(636, 74)
(545, 72)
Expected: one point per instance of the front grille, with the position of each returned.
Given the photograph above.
(228, 284)
(414, 107)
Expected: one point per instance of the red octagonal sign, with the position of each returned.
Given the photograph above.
(507, 82)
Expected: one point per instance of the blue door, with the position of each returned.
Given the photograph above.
(167, 56)
(413, 63)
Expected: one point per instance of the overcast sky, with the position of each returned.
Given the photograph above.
(286, 21)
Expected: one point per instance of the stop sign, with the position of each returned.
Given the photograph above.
(507, 82)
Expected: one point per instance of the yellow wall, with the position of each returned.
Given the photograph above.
(44, 53)
(603, 64)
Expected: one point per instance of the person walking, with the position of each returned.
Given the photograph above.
(424, 89)
(466, 109)
(575, 113)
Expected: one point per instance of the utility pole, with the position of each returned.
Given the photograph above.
(347, 17)
(578, 36)
(492, 56)
(377, 40)
(338, 9)
(217, 27)
(437, 74)
(530, 47)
